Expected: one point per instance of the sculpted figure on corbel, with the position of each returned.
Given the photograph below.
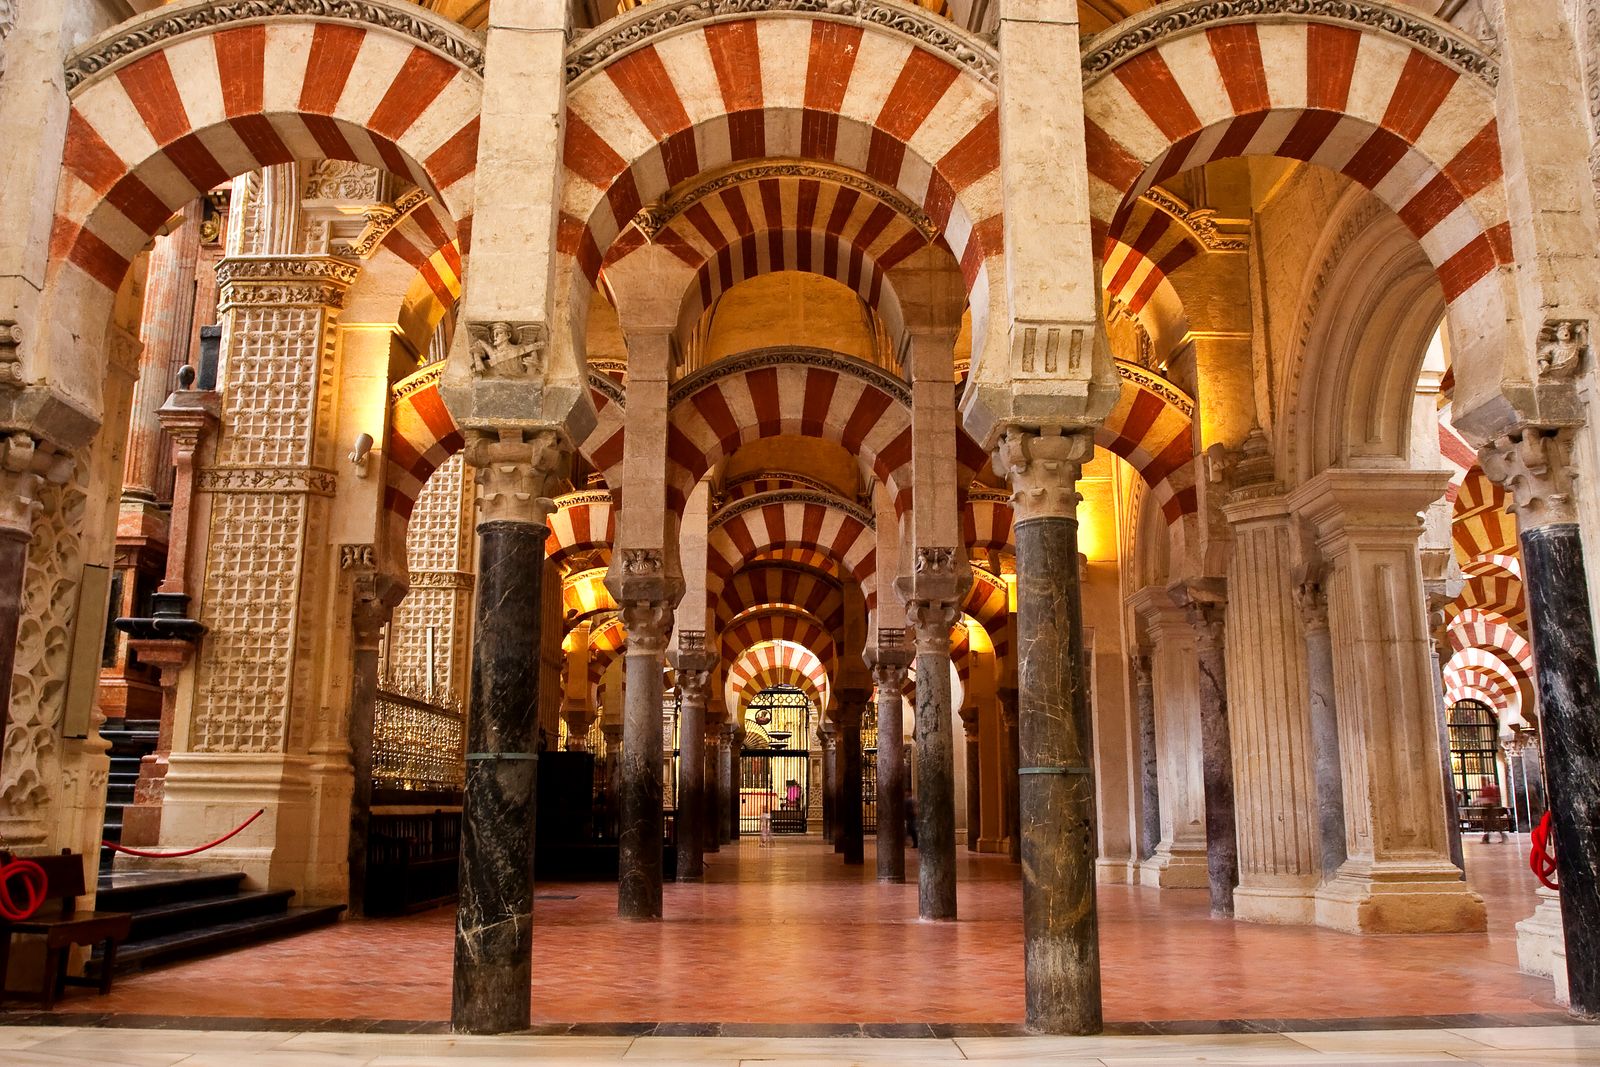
(507, 349)
(519, 472)
(1534, 464)
(1563, 343)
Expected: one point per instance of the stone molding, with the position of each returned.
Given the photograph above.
(415, 383)
(1155, 383)
(654, 218)
(441, 580)
(789, 356)
(1535, 466)
(11, 349)
(607, 387)
(1043, 470)
(1201, 222)
(162, 27)
(1131, 37)
(381, 221)
(732, 511)
(306, 281)
(649, 23)
(517, 470)
(313, 480)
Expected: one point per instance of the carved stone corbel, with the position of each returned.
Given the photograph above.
(1535, 466)
(25, 465)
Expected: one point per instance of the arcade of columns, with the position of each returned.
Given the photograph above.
(1195, 515)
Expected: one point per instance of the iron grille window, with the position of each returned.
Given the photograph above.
(1473, 748)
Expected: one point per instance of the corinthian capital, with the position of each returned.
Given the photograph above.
(694, 685)
(25, 465)
(932, 620)
(518, 472)
(1535, 466)
(1042, 466)
(649, 624)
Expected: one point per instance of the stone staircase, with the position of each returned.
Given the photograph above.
(129, 744)
(179, 916)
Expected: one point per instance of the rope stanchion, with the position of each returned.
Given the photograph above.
(1542, 857)
(33, 881)
(187, 851)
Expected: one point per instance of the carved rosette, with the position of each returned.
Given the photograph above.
(1535, 466)
(649, 624)
(518, 473)
(1043, 467)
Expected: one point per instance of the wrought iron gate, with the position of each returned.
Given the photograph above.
(1473, 747)
(774, 780)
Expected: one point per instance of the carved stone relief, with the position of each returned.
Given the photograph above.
(507, 349)
(8, 22)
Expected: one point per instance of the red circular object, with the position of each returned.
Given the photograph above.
(32, 878)
(1542, 857)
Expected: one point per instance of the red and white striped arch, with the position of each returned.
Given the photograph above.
(1367, 104)
(986, 521)
(807, 392)
(422, 435)
(813, 592)
(1476, 628)
(779, 625)
(1494, 585)
(770, 520)
(582, 522)
(773, 663)
(1481, 525)
(167, 121)
(988, 603)
(1149, 245)
(584, 594)
(1152, 427)
(606, 640)
(1479, 673)
(861, 95)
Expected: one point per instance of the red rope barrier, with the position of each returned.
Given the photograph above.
(32, 878)
(1542, 857)
(187, 851)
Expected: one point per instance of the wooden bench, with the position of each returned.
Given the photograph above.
(62, 926)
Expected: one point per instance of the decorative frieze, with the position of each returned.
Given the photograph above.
(646, 23)
(285, 281)
(1155, 383)
(381, 221)
(312, 480)
(1148, 30)
(159, 28)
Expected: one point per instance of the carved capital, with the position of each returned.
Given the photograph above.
(889, 679)
(1143, 676)
(649, 624)
(507, 349)
(519, 471)
(1535, 466)
(1312, 600)
(25, 465)
(1205, 602)
(1043, 467)
(932, 621)
(694, 685)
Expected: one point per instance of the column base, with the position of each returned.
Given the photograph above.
(1175, 867)
(1284, 905)
(1116, 872)
(1396, 899)
(1541, 943)
(209, 794)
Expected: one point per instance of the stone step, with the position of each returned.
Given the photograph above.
(152, 923)
(138, 890)
(189, 944)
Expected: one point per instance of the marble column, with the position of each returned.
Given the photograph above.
(1312, 599)
(493, 978)
(715, 798)
(1149, 777)
(1536, 466)
(850, 776)
(1452, 805)
(728, 782)
(932, 620)
(1216, 754)
(889, 678)
(639, 854)
(970, 751)
(1061, 941)
(832, 822)
(1397, 877)
(1011, 786)
(693, 665)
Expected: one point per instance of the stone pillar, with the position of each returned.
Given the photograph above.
(1398, 877)
(165, 328)
(493, 975)
(936, 773)
(189, 418)
(373, 599)
(1216, 753)
(1011, 787)
(649, 624)
(1149, 778)
(890, 659)
(715, 798)
(1535, 465)
(728, 783)
(1269, 717)
(1326, 768)
(970, 751)
(693, 664)
(1061, 941)
(850, 775)
(832, 820)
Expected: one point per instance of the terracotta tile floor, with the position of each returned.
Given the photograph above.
(788, 934)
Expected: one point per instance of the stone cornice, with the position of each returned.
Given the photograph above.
(285, 280)
(1201, 223)
(414, 383)
(165, 25)
(1155, 383)
(1149, 29)
(790, 496)
(789, 355)
(654, 218)
(608, 387)
(648, 23)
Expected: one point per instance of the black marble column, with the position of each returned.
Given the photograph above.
(691, 782)
(728, 783)
(639, 852)
(832, 787)
(1216, 753)
(936, 768)
(363, 709)
(1149, 774)
(493, 977)
(1569, 696)
(972, 753)
(711, 827)
(850, 778)
(1061, 940)
(890, 842)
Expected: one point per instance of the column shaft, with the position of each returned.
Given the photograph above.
(639, 854)
(891, 840)
(936, 800)
(1149, 776)
(363, 710)
(691, 790)
(850, 784)
(1222, 841)
(974, 783)
(1324, 732)
(1011, 789)
(728, 785)
(711, 825)
(493, 975)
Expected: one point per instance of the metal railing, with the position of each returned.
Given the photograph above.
(418, 745)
